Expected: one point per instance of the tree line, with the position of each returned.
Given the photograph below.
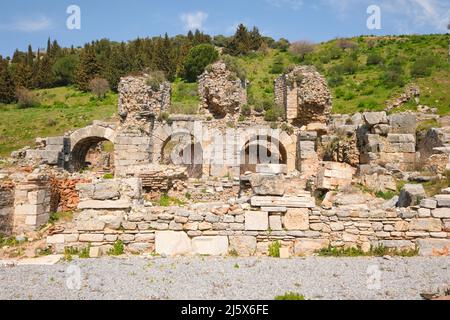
(183, 56)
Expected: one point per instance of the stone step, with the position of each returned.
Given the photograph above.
(286, 201)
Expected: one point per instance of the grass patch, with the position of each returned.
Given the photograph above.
(386, 195)
(118, 249)
(185, 99)
(167, 201)
(84, 253)
(60, 110)
(108, 176)
(60, 216)
(274, 249)
(378, 251)
(290, 296)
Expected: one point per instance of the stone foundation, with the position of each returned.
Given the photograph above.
(6, 208)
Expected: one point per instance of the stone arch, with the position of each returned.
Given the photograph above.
(262, 149)
(84, 139)
(182, 149)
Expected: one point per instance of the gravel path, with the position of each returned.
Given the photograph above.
(228, 278)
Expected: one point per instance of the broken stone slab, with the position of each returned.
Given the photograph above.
(286, 201)
(41, 261)
(373, 118)
(256, 221)
(434, 247)
(443, 200)
(106, 204)
(210, 245)
(267, 185)
(271, 168)
(172, 243)
(411, 195)
(106, 190)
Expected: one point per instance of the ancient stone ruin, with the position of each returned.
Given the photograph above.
(194, 185)
(221, 91)
(304, 94)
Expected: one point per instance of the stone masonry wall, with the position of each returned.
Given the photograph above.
(32, 203)
(247, 226)
(6, 208)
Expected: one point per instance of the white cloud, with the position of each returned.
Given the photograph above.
(29, 24)
(293, 4)
(194, 20)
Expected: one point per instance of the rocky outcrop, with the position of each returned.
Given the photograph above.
(304, 94)
(221, 91)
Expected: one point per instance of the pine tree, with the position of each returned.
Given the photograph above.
(87, 68)
(22, 75)
(44, 77)
(255, 39)
(241, 43)
(118, 66)
(7, 88)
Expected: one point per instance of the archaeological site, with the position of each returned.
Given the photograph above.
(209, 184)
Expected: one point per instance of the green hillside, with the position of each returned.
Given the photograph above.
(362, 72)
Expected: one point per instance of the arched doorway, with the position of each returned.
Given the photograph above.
(183, 150)
(93, 153)
(261, 149)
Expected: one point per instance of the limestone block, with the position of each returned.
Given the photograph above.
(91, 237)
(296, 219)
(244, 246)
(106, 190)
(56, 239)
(443, 200)
(213, 245)
(275, 223)
(429, 224)
(286, 201)
(434, 247)
(256, 221)
(428, 203)
(442, 213)
(172, 243)
(411, 195)
(107, 204)
(403, 123)
(267, 184)
(373, 118)
(334, 175)
(304, 247)
(271, 168)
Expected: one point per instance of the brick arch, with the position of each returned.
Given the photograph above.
(83, 139)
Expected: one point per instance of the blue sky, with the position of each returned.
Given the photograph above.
(26, 21)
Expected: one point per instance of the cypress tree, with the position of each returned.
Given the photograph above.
(7, 88)
(87, 68)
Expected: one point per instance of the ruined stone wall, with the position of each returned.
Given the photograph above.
(388, 140)
(304, 94)
(6, 208)
(222, 93)
(32, 203)
(112, 210)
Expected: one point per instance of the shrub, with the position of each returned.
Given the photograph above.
(26, 98)
(108, 176)
(374, 59)
(234, 66)
(117, 249)
(301, 48)
(246, 110)
(198, 59)
(393, 76)
(274, 249)
(349, 66)
(290, 296)
(155, 79)
(99, 87)
(278, 65)
(422, 67)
